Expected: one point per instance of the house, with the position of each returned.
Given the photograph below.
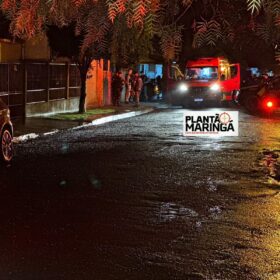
(32, 83)
(151, 70)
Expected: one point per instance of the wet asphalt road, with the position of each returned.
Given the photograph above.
(135, 199)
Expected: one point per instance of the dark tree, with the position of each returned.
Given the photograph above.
(64, 42)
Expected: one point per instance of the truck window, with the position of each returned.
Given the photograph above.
(175, 73)
(202, 73)
(225, 73)
(233, 71)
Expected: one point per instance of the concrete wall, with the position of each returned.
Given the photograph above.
(10, 52)
(34, 49)
(37, 48)
(98, 85)
(107, 92)
(52, 107)
(94, 87)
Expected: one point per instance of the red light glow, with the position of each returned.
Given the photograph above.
(269, 104)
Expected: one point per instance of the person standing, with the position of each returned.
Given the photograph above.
(144, 92)
(128, 85)
(159, 85)
(138, 85)
(117, 86)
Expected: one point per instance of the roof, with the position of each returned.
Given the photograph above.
(205, 61)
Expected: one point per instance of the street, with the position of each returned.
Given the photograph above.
(134, 199)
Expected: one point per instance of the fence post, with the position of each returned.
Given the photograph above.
(48, 82)
(8, 70)
(24, 89)
(67, 80)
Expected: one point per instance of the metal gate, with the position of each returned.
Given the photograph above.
(37, 82)
(12, 87)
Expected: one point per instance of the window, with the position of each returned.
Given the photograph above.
(202, 73)
(152, 68)
(233, 71)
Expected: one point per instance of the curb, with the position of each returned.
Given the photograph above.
(100, 121)
(113, 118)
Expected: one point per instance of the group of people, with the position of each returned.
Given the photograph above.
(133, 86)
(137, 87)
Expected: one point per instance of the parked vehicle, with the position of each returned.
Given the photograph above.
(206, 80)
(263, 98)
(6, 136)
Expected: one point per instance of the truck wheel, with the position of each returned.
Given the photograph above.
(252, 104)
(241, 98)
(174, 102)
(188, 104)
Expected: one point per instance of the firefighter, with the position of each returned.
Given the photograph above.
(137, 87)
(128, 85)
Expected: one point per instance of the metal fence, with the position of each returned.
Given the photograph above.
(36, 82)
(12, 86)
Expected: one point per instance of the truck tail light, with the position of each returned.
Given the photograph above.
(269, 104)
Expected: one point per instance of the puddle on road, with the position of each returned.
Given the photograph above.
(171, 211)
(270, 162)
(256, 235)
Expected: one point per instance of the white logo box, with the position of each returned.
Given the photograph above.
(216, 123)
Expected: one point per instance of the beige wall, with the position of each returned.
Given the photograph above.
(10, 52)
(34, 49)
(37, 48)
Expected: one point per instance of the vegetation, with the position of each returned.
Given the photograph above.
(101, 25)
(89, 115)
(267, 17)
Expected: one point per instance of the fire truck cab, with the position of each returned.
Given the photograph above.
(206, 81)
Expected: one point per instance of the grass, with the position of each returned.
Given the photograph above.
(82, 117)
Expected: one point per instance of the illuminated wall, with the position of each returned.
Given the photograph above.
(37, 48)
(98, 84)
(10, 52)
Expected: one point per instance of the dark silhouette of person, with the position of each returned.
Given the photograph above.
(117, 86)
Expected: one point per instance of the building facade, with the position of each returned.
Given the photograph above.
(33, 84)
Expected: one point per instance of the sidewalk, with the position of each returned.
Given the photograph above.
(42, 125)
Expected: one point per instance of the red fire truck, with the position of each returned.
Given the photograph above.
(206, 81)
